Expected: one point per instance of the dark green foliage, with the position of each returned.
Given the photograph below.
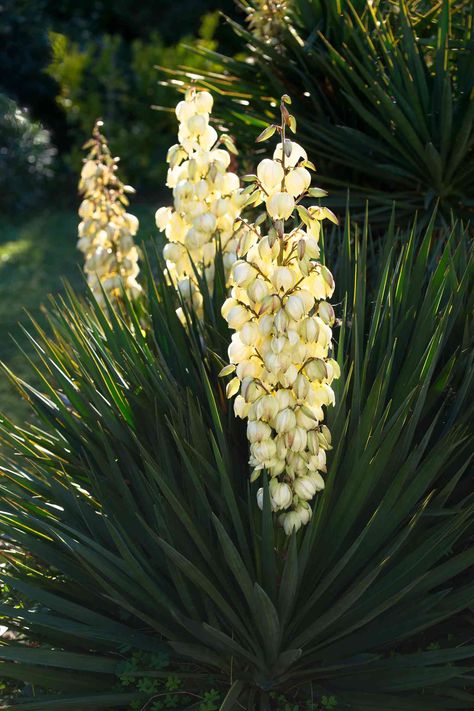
(26, 159)
(131, 20)
(26, 52)
(383, 96)
(71, 62)
(132, 490)
(110, 77)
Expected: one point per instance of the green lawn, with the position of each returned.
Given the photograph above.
(35, 257)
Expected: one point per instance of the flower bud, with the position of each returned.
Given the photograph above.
(313, 442)
(238, 351)
(249, 333)
(270, 304)
(89, 169)
(289, 376)
(281, 321)
(303, 511)
(284, 398)
(173, 251)
(197, 124)
(301, 386)
(265, 325)
(326, 433)
(248, 368)
(328, 279)
(317, 480)
(251, 390)
(241, 408)
(184, 110)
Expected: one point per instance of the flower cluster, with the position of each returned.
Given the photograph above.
(267, 19)
(281, 347)
(106, 230)
(207, 199)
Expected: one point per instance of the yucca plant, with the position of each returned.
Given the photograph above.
(383, 94)
(160, 583)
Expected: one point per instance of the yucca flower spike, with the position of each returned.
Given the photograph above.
(207, 199)
(282, 345)
(106, 230)
(267, 19)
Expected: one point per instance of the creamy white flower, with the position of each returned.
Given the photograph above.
(281, 494)
(271, 174)
(297, 154)
(297, 181)
(280, 205)
(237, 316)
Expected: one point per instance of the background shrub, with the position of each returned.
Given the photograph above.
(26, 158)
(118, 81)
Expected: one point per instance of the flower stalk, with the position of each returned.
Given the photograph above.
(282, 342)
(106, 230)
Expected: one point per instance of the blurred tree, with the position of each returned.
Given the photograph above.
(117, 80)
(94, 31)
(25, 54)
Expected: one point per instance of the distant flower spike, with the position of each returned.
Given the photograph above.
(267, 19)
(207, 199)
(282, 341)
(106, 229)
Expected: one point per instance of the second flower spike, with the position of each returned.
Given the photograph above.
(207, 200)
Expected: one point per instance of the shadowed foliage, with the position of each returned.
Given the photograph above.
(130, 488)
(383, 95)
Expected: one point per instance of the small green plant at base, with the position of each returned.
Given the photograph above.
(211, 701)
